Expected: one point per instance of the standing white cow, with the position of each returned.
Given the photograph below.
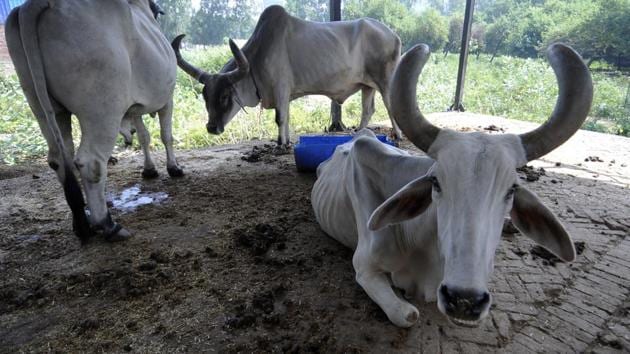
(101, 61)
(432, 224)
(287, 58)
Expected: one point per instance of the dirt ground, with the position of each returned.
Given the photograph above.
(232, 260)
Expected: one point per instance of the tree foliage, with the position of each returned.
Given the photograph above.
(312, 10)
(176, 18)
(217, 20)
(428, 27)
(598, 29)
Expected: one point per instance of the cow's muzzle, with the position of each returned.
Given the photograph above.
(214, 129)
(464, 307)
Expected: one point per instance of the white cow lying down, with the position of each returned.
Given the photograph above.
(430, 225)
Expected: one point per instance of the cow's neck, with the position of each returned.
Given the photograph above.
(247, 91)
(421, 231)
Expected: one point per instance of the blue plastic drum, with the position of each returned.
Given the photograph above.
(311, 150)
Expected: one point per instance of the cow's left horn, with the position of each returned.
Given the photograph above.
(242, 65)
(575, 95)
(191, 70)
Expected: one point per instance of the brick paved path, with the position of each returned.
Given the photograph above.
(543, 306)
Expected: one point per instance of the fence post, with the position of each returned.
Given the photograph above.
(335, 108)
(463, 57)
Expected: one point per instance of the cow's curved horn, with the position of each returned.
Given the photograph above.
(191, 70)
(404, 107)
(242, 65)
(575, 95)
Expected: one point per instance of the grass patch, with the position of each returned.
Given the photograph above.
(523, 89)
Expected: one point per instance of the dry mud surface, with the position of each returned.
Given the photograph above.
(233, 261)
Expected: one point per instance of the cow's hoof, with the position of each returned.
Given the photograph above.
(283, 149)
(175, 171)
(117, 234)
(405, 317)
(337, 127)
(150, 173)
(395, 137)
(508, 227)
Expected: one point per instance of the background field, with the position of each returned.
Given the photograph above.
(511, 87)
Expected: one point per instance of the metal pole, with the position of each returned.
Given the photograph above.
(463, 57)
(335, 108)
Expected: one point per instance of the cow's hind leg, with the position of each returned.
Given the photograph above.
(396, 133)
(64, 171)
(97, 142)
(282, 120)
(65, 127)
(149, 170)
(367, 105)
(336, 125)
(166, 133)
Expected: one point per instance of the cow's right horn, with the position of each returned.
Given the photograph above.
(404, 107)
(242, 64)
(191, 70)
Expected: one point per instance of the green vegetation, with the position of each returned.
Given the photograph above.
(511, 87)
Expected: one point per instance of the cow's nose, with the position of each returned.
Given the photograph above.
(466, 304)
(213, 129)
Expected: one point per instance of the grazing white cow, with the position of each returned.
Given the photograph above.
(430, 225)
(101, 61)
(287, 58)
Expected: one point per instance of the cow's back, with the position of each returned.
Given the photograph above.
(359, 176)
(326, 57)
(331, 58)
(94, 55)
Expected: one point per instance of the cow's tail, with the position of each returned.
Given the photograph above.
(28, 16)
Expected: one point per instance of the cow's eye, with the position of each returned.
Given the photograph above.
(436, 184)
(510, 192)
(225, 97)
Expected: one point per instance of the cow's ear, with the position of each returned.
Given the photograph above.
(409, 202)
(537, 222)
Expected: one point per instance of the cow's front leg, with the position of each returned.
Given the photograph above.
(166, 133)
(282, 120)
(377, 286)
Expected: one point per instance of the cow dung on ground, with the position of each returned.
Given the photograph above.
(232, 261)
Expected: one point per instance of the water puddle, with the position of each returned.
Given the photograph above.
(131, 198)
